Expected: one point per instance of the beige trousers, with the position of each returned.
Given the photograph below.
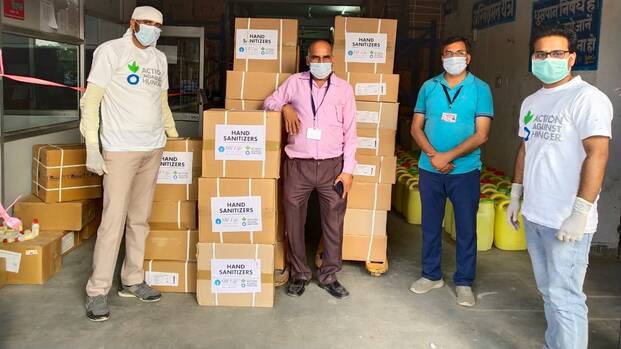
(128, 196)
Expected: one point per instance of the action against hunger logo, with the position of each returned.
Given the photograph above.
(544, 126)
(527, 118)
(133, 78)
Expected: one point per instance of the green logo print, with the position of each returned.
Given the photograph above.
(528, 117)
(133, 67)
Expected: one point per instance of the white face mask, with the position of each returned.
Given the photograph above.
(454, 65)
(321, 70)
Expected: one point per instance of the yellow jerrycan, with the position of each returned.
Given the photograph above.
(405, 196)
(485, 223)
(449, 219)
(413, 208)
(398, 197)
(505, 236)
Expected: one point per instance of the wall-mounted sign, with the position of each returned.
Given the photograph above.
(488, 13)
(14, 9)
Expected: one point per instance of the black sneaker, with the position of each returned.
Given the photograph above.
(97, 308)
(335, 289)
(297, 287)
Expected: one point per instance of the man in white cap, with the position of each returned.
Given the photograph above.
(129, 80)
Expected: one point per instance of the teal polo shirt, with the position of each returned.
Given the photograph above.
(447, 131)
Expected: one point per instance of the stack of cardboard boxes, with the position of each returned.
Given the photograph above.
(240, 230)
(64, 202)
(364, 55)
(170, 251)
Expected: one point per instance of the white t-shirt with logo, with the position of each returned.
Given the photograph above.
(553, 123)
(131, 110)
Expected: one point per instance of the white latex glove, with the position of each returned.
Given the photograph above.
(514, 206)
(573, 227)
(94, 161)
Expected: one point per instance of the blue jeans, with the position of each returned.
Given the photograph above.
(560, 268)
(463, 190)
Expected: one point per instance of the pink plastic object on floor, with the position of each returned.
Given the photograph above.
(11, 222)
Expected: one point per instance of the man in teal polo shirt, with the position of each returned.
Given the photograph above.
(452, 119)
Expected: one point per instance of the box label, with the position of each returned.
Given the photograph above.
(67, 242)
(256, 44)
(367, 117)
(175, 168)
(235, 275)
(370, 89)
(13, 260)
(365, 47)
(31, 252)
(367, 143)
(236, 213)
(156, 278)
(240, 142)
(364, 170)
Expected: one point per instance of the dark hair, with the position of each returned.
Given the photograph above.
(456, 38)
(543, 32)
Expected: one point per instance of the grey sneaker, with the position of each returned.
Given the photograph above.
(97, 308)
(465, 297)
(141, 291)
(424, 285)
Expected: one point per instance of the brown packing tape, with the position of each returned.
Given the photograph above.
(206, 275)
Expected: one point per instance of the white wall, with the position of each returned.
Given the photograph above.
(18, 161)
(502, 52)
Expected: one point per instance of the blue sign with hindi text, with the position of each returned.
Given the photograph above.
(488, 13)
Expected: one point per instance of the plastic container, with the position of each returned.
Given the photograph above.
(505, 236)
(449, 219)
(405, 200)
(485, 223)
(413, 207)
(397, 201)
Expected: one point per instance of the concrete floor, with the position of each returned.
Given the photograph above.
(381, 312)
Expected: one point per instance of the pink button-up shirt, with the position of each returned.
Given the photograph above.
(336, 117)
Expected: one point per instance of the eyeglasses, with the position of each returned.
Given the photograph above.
(541, 55)
(320, 59)
(449, 54)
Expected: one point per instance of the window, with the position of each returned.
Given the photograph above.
(28, 106)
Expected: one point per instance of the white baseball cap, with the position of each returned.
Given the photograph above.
(148, 13)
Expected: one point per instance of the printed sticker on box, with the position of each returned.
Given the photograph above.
(370, 89)
(67, 242)
(156, 278)
(367, 143)
(256, 44)
(235, 275)
(364, 170)
(240, 142)
(13, 260)
(236, 213)
(367, 117)
(175, 168)
(365, 47)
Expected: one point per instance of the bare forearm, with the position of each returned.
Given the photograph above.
(422, 141)
(592, 176)
(469, 145)
(518, 169)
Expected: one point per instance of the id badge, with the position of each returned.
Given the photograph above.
(449, 117)
(313, 133)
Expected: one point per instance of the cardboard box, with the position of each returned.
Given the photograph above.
(34, 261)
(235, 275)
(365, 222)
(364, 248)
(369, 196)
(373, 87)
(375, 169)
(280, 255)
(91, 228)
(174, 215)
(364, 45)
(171, 245)
(377, 115)
(3, 273)
(252, 85)
(171, 276)
(72, 215)
(266, 45)
(59, 173)
(230, 209)
(69, 241)
(243, 104)
(241, 144)
(178, 179)
(376, 142)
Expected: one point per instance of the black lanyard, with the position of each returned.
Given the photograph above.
(313, 100)
(448, 97)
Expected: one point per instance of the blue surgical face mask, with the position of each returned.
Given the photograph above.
(321, 70)
(147, 35)
(550, 70)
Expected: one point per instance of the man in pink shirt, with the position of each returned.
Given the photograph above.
(319, 115)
